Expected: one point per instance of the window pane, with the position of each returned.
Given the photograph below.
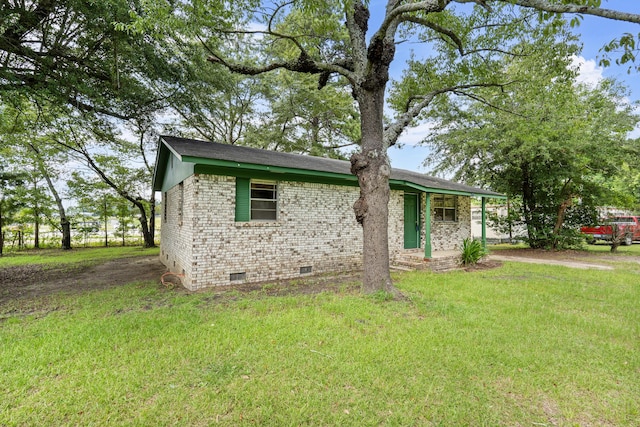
(438, 201)
(449, 214)
(257, 214)
(263, 185)
(262, 194)
(263, 205)
(438, 214)
(449, 201)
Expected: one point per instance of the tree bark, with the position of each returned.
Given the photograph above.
(1, 230)
(36, 232)
(373, 169)
(65, 225)
(562, 211)
(152, 218)
(148, 237)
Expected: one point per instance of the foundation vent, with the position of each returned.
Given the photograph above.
(237, 276)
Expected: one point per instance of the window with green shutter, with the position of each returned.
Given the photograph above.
(256, 200)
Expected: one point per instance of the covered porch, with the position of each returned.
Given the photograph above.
(448, 211)
(435, 224)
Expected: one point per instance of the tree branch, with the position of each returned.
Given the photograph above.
(304, 64)
(394, 14)
(437, 28)
(548, 6)
(393, 131)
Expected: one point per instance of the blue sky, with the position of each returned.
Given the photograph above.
(594, 33)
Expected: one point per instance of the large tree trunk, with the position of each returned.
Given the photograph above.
(152, 218)
(65, 225)
(372, 168)
(562, 211)
(144, 223)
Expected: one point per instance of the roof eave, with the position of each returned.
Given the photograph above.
(165, 149)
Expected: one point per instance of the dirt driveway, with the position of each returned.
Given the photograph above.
(572, 259)
(35, 280)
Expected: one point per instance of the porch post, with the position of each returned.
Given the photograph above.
(427, 225)
(484, 223)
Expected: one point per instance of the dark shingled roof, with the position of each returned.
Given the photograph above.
(185, 147)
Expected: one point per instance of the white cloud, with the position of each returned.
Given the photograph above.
(588, 72)
(591, 74)
(415, 135)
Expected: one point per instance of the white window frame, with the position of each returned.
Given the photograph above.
(440, 207)
(273, 200)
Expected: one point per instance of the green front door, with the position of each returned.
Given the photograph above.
(411, 222)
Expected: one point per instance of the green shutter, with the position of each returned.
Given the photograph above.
(243, 200)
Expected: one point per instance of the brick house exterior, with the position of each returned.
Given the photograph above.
(240, 215)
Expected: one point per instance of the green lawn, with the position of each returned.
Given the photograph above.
(73, 256)
(520, 345)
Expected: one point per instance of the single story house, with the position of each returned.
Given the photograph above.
(235, 214)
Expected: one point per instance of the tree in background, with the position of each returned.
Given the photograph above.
(10, 201)
(120, 164)
(275, 111)
(50, 139)
(69, 53)
(298, 118)
(96, 199)
(549, 143)
(124, 213)
(24, 135)
(37, 204)
(334, 40)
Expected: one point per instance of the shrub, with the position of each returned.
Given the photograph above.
(472, 251)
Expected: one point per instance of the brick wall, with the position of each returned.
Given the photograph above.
(176, 234)
(315, 228)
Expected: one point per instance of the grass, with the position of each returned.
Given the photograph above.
(74, 256)
(517, 345)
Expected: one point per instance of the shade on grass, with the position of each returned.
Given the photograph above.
(517, 345)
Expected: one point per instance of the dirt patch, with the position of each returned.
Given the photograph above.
(346, 283)
(30, 281)
(25, 289)
(485, 264)
(566, 255)
(568, 258)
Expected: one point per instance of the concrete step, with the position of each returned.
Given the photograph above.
(416, 261)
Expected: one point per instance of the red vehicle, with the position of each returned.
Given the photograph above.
(628, 230)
